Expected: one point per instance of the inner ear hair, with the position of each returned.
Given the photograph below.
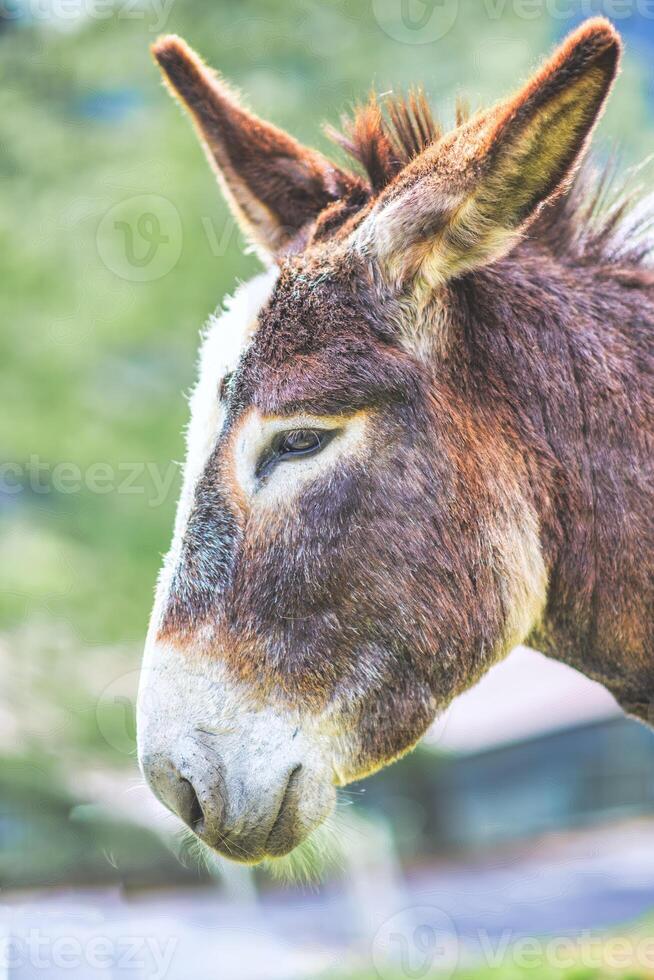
(466, 199)
(531, 143)
(274, 185)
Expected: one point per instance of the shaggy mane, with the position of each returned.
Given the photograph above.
(384, 137)
(595, 220)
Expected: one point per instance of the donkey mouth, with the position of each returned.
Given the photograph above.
(286, 831)
(244, 823)
(249, 782)
(301, 809)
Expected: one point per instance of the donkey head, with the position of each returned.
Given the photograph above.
(357, 539)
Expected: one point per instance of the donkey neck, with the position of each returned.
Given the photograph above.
(564, 353)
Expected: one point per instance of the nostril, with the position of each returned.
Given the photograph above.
(174, 791)
(193, 813)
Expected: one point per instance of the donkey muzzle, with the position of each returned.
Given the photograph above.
(237, 823)
(247, 781)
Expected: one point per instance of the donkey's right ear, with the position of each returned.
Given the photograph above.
(468, 198)
(274, 186)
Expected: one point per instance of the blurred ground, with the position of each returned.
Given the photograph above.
(477, 913)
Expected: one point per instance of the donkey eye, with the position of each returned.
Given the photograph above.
(291, 445)
(300, 442)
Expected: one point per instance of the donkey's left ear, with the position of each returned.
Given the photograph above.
(467, 198)
(273, 185)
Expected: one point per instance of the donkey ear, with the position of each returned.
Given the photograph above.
(467, 198)
(274, 185)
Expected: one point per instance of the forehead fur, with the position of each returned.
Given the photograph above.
(320, 346)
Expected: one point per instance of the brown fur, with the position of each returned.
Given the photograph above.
(498, 337)
(274, 184)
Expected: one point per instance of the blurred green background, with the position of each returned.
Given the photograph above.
(116, 246)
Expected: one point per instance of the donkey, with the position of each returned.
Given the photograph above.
(421, 437)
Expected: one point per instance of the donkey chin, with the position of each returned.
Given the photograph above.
(251, 782)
